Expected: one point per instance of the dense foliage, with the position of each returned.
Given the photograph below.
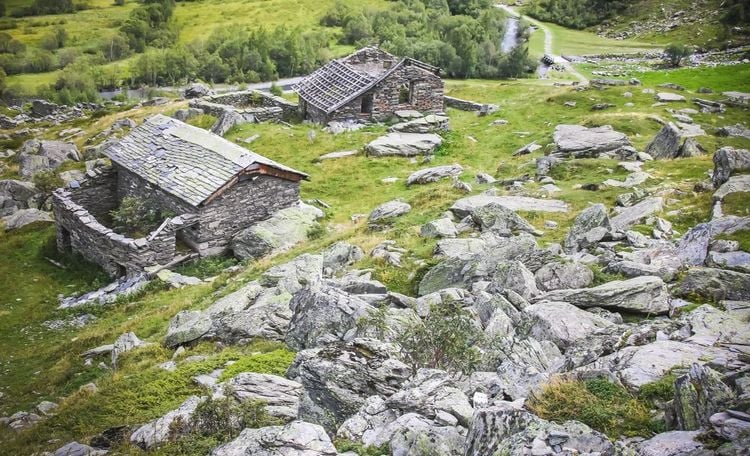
(575, 13)
(462, 38)
(137, 216)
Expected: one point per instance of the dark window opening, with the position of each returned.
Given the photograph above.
(367, 104)
(65, 243)
(404, 94)
(122, 271)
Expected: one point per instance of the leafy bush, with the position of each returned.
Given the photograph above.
(47, 181)
(136, 216)
(660, 390)
(675, 53)
(598, 403)
(447, 339)
(276, 90)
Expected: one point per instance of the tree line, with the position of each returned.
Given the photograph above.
(461, 36)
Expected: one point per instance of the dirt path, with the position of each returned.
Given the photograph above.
(548, 40)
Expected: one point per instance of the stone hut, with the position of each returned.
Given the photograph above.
(370, 84)
(215, 189)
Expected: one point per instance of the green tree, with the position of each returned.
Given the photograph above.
(675, 53)
(447, 339)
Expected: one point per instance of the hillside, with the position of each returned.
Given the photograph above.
(567, 272)
(710, 24)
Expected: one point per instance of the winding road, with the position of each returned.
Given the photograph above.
(548, 40)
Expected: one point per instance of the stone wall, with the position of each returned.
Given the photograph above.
(97, 192)
(253, 105)
(253, 199)
(78, 230)
(466, 105)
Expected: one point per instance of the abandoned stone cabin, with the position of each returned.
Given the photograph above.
(369, 85)
(214, 187)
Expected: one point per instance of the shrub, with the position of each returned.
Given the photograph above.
(47, 181)
(275, 362)
(660, 390)
(675, 53)
(598, 403)
(446, 339)
(276, 90)
(137, 216)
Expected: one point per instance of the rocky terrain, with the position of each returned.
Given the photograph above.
(550, 269)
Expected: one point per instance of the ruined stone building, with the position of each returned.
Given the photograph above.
(215, 189)
(370, 84)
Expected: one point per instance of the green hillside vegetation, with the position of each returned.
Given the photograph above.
(45, 364)
(708, 23)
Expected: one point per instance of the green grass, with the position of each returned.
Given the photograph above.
(742, 236)
(605, 406)
(46, 365)
(194, 19)
(720, 78)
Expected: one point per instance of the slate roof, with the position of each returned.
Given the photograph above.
(185, 161)
(339, 82)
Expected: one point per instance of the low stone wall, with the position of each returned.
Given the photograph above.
(78, 230)
(466, 105)
(253, 105)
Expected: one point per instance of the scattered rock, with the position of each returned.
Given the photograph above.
(577, 141)
(281, 231)
(435, 174)
(403, 145)
(294, 439)
(25, 217)
(386, 212)
(728, 160)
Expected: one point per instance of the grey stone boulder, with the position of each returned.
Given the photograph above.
(501, 220)
(404, 145)
(513, 275)
(386, 212)
(727, 161)
(560, 276)
(301, 272)
(197, 90)
(338, 378)
(466, 206)
(463, 270)
(160, 430)
(176, 280)
(732, 425)
(187, 326)
(440, 228)
(717, 284)
(693, 247)
(58, 152)
(281, 231)
(29, 165)
(667, 97)
(710, 326)
(17, 194)
(431, 392)
(78, 449)
(280, 396)
(509, 429)
(339, 255)
(228, 119)
(734, 184)
(636, 366)
(737, 131)
(125, 343)
(628, 216)
(698, 395)
(297, 438)
(737, 261)
(323, 314)
(268, 318)
(674, 443)
(646, 295)
(670, 143)
(577, 141)
(24, 217)
(434, 174)
(562, 323)
(428, 124)
(593, 218)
